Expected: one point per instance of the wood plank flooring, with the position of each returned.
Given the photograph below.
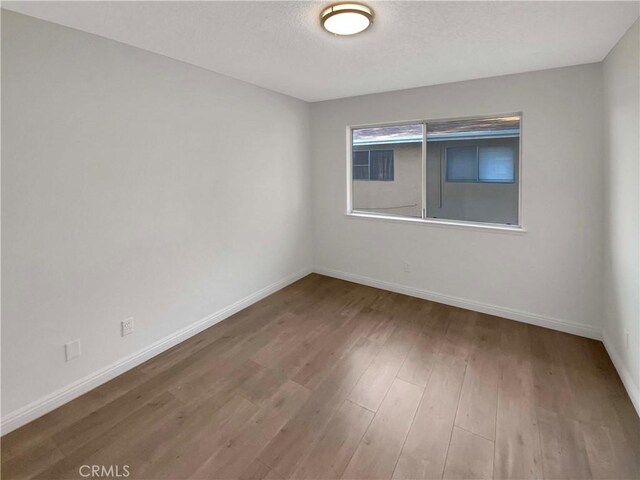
(327, 379)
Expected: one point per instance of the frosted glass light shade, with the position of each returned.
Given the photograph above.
(346, 18)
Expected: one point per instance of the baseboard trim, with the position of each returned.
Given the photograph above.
(44, 405)
(627, 380)
(512, 314)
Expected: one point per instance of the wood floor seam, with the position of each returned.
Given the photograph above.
(446, 458)
(361, 406)
(473, 433)
(411, 425)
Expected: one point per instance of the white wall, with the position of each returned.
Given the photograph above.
(137, 186)
(548, 275)
(621, 70)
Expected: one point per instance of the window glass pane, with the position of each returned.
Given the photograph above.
(462, 164)
(468, 186)
(395, 176)
(360, 172)
(381, 165)
(361, 158)
(496, 164)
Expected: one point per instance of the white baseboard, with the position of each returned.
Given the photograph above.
(52, 401)
(629, 384)
(520, 316)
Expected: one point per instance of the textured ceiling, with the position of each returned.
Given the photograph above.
(280, 45)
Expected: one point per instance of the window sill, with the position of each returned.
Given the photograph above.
(488, 227)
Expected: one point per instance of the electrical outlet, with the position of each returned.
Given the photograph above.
(72, 350)
(407, 267)
(127, 326)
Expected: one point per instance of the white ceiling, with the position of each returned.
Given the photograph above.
(281, 46)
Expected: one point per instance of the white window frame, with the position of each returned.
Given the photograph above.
(496, 227)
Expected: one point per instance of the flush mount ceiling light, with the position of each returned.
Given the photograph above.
(346, 18)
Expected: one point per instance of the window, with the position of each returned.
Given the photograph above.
(390, 158)
(478, 163)
(496, 164)
(462, 170)
(361, 165)
(462, 164)
(373, 165)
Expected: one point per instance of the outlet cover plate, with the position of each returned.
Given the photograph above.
(127, 327)
(72, 350)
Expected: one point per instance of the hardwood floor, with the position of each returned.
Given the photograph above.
(328, 379)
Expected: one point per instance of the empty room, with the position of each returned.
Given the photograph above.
(310, 240)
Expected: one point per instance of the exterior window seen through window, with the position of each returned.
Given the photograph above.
(373, 165)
